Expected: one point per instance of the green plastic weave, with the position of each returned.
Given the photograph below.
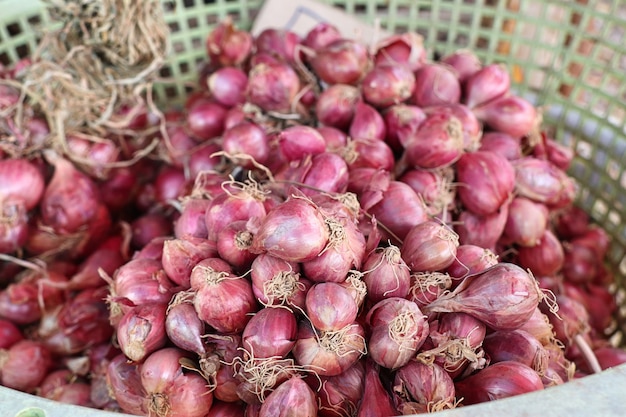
(568, 56)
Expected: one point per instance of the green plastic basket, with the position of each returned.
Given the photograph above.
(568, 56)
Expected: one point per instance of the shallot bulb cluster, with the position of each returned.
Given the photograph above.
(325, 226)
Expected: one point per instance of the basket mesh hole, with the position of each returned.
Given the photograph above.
(34, 20)
(184, 67)
(174, 27)
(165, 72)
(196, 43)
(212, 19)
(171, 92)
(193, 23)
(13, 29)
(4, 59)
(189, 3)
(22, 50)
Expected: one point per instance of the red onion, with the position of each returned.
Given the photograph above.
(483, 231)
(25, 301)
(455, 342)
(226, 384)
(153, 250)
(273, 87)
(545, 258)
(601, 305)
(124, 384)
(137, 282)
(21, 180)
(471, 259)
(398, 329)
(487, 180)
(223, 301)
(96, 154)
(148, 227)
(336, 105)
(580, 264)
(388, 84)
(405, 49)
(367, 123)
(169, 391)
(400, 209)
(226, 409)
(401, 122)
(191, 220)
(108, 257)
(386, 274)
(203, 158)
(329, 353)
(335, 139)
(183, 326)
(503, 296)
(426, 388)
(233, 244)
(428, 286)
(324, 172)
(270, 333)
(296, 142)
(24, 365)
(500, 380)
(368, 153)
(62, 386)
(142, 330)
(572, 319)
(559, 154)
(339, 395)
(610, 356)
(81, 322)
(502, 144)
(71, 199)
(595, 238)
(246, 139)
(171, 184)
(293, 394)
(433, 187)
(227, 85)
(488, 83)
(13, 226)
(464, 61)
(281, 43)
(471, 127)
(10, 334)
(205, 120)
(508, 114)
(526, 222)
(321, 35)
(570, 221)
(542, 181)
(429, 246)
(228, 46)
(330, 307)
(516, 345)
(294, 231)
(278, 282)
(437, 143)
(436, 84)
(375, 400)
(539, 327)
(342, 61)
(233, 205)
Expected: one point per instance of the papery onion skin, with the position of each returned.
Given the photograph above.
(398, 329)
(142, 331)
(487, 180)
(330, 306)
(425, 385)
(503, 296)
(170, 392)
(21, 180)
(24, 365)
(270, 333)
(330, 353)
(545, 258)
(375, 400)
(500, 380)
(292, 398)
(294, 231)
(341, 61)
(429, 246)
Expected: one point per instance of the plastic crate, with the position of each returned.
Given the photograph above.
(567, 56)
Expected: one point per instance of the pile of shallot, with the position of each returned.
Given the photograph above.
(323, 227)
